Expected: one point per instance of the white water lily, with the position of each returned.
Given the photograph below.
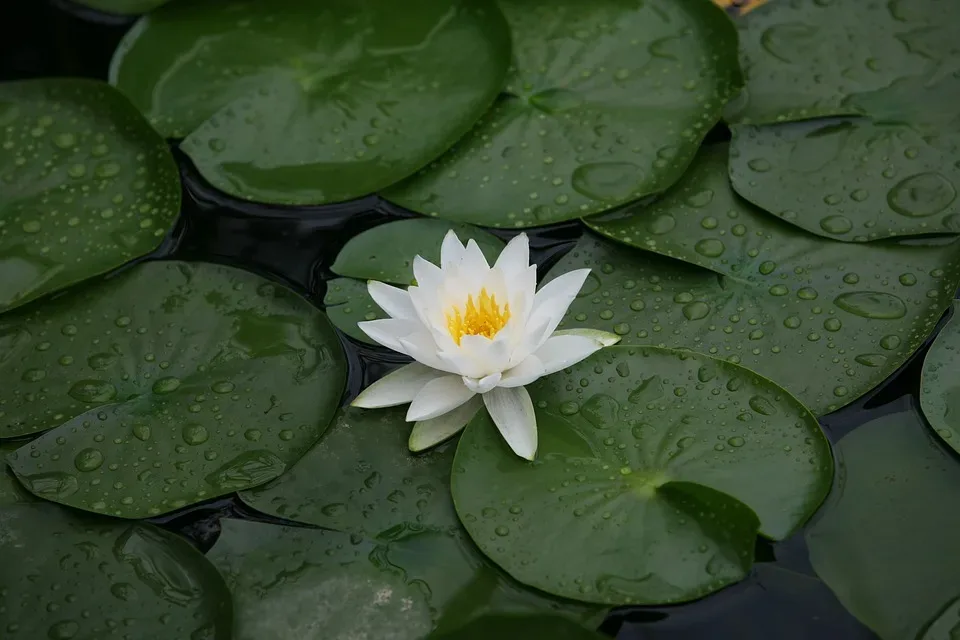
(478, 335)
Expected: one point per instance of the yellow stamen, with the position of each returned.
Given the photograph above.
(481, 318)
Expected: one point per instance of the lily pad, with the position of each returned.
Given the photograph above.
(123, 7)
(386, 252)
(609, 101)
(68, 575)
(849, 178)
(313, 101)
(826, 320)
(655, 470)
(173, 382)
(11, 491)
(87, 185)
(807, 58)
(360, 479)
(940, 384)
(886, 540)
(513, 626)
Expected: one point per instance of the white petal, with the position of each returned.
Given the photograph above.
(531, 340)
(512, 412)
(421, 347)
(426, 305)
(395, 301)
(523, 374)
(515, 257)
(429, 433)
(397, 387)
(560, 352)
(605, 338)
(428, 275)
(473, 261)
(483, 384)
(390, 331)
(451, 251)
(478, 357)
(554, 298)
(437, 397)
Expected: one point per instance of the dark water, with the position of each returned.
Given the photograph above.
(781, 600)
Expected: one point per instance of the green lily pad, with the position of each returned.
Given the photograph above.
(173, 382)
(513, 626)
(68, 575)
(886, 540)
(87, 185)
(386, 252)
(312, 101)
(11, 491)
(347, 302)
(655, 470)
(849, 179)
(609, 101)
(360, 479)
(826, 320)
(123, 7)
(940, 384)
(807, 58)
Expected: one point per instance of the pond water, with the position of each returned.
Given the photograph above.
(296, 245)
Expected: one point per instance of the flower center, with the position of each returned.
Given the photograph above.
(482, 317)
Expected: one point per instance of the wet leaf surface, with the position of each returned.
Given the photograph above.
(67, 575)
(608, 101)
(86, 185)
(309, 101)
(11, 491)
(940, 384)
(651, 465)
(173, 382)
(826, 320)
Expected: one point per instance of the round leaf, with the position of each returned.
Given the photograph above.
(386, 252)
(360, 479)
(826, 320)
(939, 382)
(609, 101)
(849, 179)
(174, 383)
(68, 575)
(313, 101)
(87, 185)
(650, 461)
(806, 58)
(347, 302)
(886, 541)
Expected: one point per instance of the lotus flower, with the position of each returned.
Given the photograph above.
(478, 335)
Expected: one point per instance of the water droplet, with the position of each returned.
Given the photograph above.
(166, 385)
(141, 431)
(662, 224)
(873, 305)
(607, 180)
(556, 100)
(922, 195)
(851, 278)
(736, 442)
(33, 375)
(779, 290)
(762, 405)
(247, 470)
(908, 279)
(101, 361)
(807, 293)
(88, 460)
(93, 391)
(832, 324)
(836, 224)
(501, 531)
(759, 165)
(890, 342)
(31, 226)
(710, 247)
(696, 310)
(63, 630)
(700, 199)
(194, 434)
(65, 140)
(871, 359)
(107, 169)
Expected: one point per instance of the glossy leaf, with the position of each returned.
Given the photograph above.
(11, 491)
(513, 626)
(940, 383)
(608, 102)
(347, 303)
(361, 479)
(86, 185)
(806, 58)
(123, 7)
(67, 575)
(849, 178)
(174, 383)
(386, 252)
(885, 543)
(313, 101)
(651, 465)
(826, 320)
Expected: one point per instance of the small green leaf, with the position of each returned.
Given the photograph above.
(70, 575)
(174, 383)
(653, 468)
(360, 479)
(940, 382)
(87, 185)
(313, 101)
(886, 540)
(849, 178)
(386, 252)
(609, 101)
(826, 320)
